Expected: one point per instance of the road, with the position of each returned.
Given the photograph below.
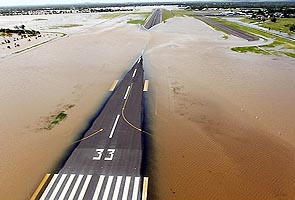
(106, 164)
(155, 19)
(229, 29)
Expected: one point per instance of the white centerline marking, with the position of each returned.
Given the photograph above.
(84, 188)
(145, 188)
(98, 187)
(75, 188)
(134, 73)
(127, 92)
(135, 188)
(108, 188)
(66, 188)
(49, 186)
(126, 188)
(114, 126)
(117, 188)
(57, 187)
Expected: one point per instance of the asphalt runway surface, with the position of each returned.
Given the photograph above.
(229, 29)
(106, 164)
(155, 19)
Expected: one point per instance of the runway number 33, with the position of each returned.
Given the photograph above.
(108, 155)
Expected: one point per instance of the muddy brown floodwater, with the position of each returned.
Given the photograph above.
(222, 121)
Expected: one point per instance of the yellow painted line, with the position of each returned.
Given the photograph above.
(113, 86)
(145, 188)
(39, 188)
(146, 85)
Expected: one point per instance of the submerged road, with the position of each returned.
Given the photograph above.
(155, 19)
(106, 164)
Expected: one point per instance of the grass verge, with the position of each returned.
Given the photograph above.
(66, 26)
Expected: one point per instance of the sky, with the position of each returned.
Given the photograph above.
(43, 2)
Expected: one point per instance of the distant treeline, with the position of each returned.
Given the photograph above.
(19, 31)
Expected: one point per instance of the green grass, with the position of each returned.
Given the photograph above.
(66, 26)
(166, 14)
(112, 15)
(282, 24)
(262, 49)
(182, 13)
(249, 20)
(252, 49)
(136, 21)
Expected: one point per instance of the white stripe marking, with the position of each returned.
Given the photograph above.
(75, 188)
(145, 188)
(114, 126)
(117, 188)
(146, 85)
(126, 188)
(49, 186)
(108, 188)
(127, 92)
(66, 188)
(135, 188)
(57, 187)
(84, 188)
(98, 187)
(134, 73)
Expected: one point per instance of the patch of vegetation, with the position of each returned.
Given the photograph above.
(8, 32)
(281, 24)
(225, 37)
(253, 49)
(112, 15)
(57, 118)
(292, 55)
(166, 14)
(136, 21)
(66, 26)
(182, 12)
(249, 20)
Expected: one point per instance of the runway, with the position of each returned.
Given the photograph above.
(106, 164)
(155, 19)
(229, 29)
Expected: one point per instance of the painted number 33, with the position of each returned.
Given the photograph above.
(108, 155)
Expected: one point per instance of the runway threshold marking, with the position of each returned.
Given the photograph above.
(113, 86)
(135, 188)
(49, 187)
(145, 188)
(134, 73)
(56, 189)
(84, 188)
(146, 85)
(37, 191)
(114, 126)
(98, 187)
(67, 186)
(126, 188)
(75, 188)
(127, 92)
(117, 188)
(108, 188)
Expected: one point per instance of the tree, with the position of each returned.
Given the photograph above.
(22, 26)
(292, 27)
